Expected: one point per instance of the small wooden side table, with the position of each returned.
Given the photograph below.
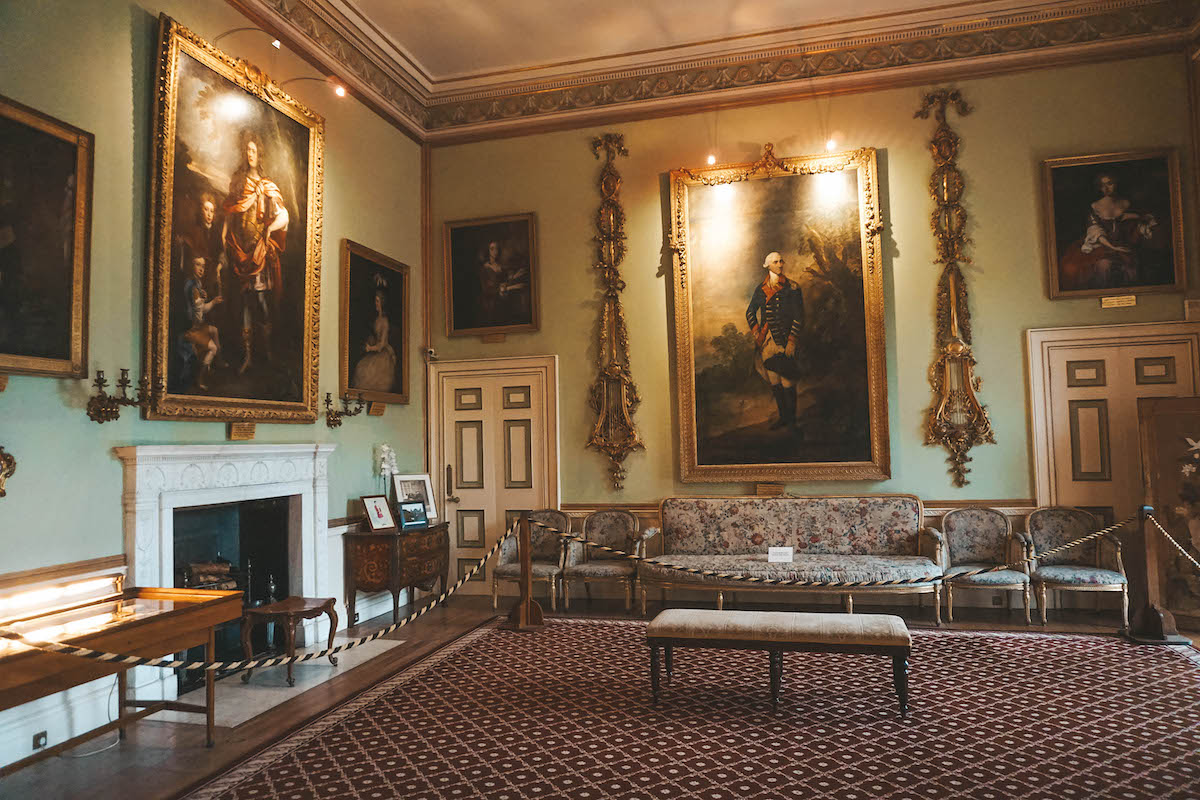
(290, 611)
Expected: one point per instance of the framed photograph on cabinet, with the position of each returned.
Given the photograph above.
(491, 275)
(779, 320)
(45, 236)
(234, 277)
(412, 515)
(373, 321)
(379, 513)
(416, 488)
(1114, 224)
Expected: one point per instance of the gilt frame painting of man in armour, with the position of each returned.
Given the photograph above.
(779, 325)
(1114, 224)
(234, 283)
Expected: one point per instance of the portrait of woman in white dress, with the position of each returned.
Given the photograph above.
(374, 289)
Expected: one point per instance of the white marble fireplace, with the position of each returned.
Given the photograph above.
(158, 479)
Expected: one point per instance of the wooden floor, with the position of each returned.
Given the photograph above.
(163, 760)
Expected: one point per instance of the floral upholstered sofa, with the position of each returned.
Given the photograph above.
(864, 538)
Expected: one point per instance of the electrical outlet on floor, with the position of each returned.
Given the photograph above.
(39, 740)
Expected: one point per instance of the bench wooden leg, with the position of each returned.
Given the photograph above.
(900, 681)
(654, 672)
(775, 660)
(667, 651)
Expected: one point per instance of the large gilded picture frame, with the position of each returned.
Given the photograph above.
(45, 242)
(233, 285)
(779, 320)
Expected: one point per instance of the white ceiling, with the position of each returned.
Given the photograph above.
(456, 45)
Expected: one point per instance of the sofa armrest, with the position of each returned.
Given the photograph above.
(941, 553)
(643, 537)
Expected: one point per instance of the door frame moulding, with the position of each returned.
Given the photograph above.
(1042, 342)
(546, 366)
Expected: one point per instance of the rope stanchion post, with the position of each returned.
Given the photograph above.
(1151, 622)
(526, 614)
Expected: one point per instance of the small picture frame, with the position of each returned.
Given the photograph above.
(379, 513)
(412, 514)
(414, 488)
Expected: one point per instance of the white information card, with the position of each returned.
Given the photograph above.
(779, 555)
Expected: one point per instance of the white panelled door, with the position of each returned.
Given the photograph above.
(494, 450)
(1085, 384)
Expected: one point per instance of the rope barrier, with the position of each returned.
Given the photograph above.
(209, 666)
(733, 576)
(1171, 539)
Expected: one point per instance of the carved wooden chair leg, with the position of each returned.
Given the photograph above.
(628, 596)
(1042, 600)
(495, 592)
(643, 599)
(949, 602)
(553, 594)
(1026, 593)
(720, 600)
(566, 594)
(937, 604)
(1124, 609)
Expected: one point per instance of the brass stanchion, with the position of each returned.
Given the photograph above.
(526, 614)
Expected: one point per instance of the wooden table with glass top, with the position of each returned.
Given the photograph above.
(150, 622)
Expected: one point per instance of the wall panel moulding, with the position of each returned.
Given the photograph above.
(907, 48)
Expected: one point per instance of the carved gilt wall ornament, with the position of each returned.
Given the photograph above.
(8, 465)
(614, 395)
(956, 420)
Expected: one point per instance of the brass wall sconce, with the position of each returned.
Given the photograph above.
(957, 420)
(333, 417)
(8, 465)
(103, 407)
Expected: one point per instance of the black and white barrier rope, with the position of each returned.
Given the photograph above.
(833, 585)
(141, 661)
(1171, 539)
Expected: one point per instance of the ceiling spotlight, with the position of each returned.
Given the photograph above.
(339, 90)
(831, 145)
(711, 159)
(276, 44)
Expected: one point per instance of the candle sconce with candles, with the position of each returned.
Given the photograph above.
(103, 407)
(333, 417)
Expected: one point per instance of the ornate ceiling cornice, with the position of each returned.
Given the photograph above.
(1062, 34)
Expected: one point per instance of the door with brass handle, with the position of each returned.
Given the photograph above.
(450, 496)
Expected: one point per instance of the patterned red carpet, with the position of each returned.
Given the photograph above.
(565, 713)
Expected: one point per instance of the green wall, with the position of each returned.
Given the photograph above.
(91, 64)
(1019, 120)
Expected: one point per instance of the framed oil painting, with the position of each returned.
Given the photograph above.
(491, 275)
(45, 235)
(1114, 224)
(234, 279)
(374, 325)
(779, 333)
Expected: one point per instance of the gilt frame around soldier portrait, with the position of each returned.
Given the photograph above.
(45, 239)
(233, 287)
(800, 393)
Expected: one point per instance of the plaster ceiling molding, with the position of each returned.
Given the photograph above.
(477, 69)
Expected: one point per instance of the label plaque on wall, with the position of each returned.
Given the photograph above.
(1119, 301)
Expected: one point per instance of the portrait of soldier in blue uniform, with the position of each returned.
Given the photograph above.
(776, 319)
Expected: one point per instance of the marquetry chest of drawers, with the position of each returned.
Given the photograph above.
(376, 562)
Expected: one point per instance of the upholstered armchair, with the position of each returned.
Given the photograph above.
(613, 528)
(548, 555)
(978, 538)
(1088, 567)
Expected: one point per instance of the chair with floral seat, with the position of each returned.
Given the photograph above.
(612, 528)
(548, 555)
(978, 538)
(1089, 567)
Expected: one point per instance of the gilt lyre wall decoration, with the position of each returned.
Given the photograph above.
(614, 395)
(956, 420)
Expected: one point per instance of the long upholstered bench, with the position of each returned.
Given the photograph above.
(777, 632)
(859, 538)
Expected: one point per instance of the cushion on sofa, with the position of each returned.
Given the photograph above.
(810, 567)
(881, 525)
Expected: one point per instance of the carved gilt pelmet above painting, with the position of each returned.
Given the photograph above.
(785, 61)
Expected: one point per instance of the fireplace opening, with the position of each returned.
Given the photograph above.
(235, 546)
